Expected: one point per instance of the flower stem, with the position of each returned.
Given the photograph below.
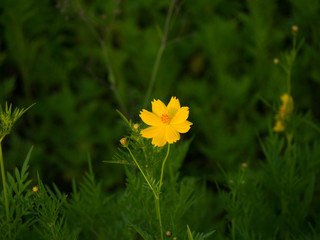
(157, 198)
(289, 81)
(156, 194)
(162, 168)
(233, 221)
(157, 204)
(140, 169)
(5, 189)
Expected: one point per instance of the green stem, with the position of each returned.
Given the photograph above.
(294, 42)
(157, 198)
(5, 189)
(289, 80)
(162, 168)
(289, 142)
(233, 221)
(111, 76)
(160, 52)
(140, 169)
(112, 79)
(52, 232)
(157, 204)
(156, 194)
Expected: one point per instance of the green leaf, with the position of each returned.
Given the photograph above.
(190, 237)
(12, 182)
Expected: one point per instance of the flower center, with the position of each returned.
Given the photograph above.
(165, 118)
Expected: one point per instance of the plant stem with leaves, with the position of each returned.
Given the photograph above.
(157, 192)
(5, 189)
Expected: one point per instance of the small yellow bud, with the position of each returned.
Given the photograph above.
(168, 233)
(295, 29)
(244, 165)
(174, 238)
(276, 61)
(35, 189)
(124, 141)
(136, 126)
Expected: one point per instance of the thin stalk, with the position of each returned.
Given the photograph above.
(5, 189)
(285, 212)
(157, 204)
(289, 142)
(140, 169)
(233, 221)
(112, 79)
(294, 43)
(289, 80)
(160, 52)
(157, 198)
(111, 76)
(162, 168)
(52, 232)
(155, 194)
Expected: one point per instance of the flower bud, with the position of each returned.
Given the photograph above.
(244, 165)
(276, 61)
(295, 29)
(35, 189)
(168, 233)
(136, 126)
(124, 141)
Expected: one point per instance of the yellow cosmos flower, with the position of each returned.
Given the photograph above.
(167, 122)
(284, 111)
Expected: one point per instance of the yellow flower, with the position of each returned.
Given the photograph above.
(284, 112)
(167, 122)
(35, 189)
(278, 127)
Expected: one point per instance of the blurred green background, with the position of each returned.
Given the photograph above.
(79, 61)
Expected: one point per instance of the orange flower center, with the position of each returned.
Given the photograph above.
(165, 118)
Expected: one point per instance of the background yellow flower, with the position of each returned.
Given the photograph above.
(167, 122)
(284, 111)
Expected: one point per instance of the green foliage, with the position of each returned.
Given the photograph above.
(8, 118)
(50, 221)
(177, 196)
(81, 60)
(20, 202)
(87, 209)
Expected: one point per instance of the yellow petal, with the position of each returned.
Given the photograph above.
(182, 127)
(285, 98)
(151, 132)
(159, 108)
(180, 116)
(150, 118)
(173, 106)
(160, 139)
(172, 135)
(278, 127)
